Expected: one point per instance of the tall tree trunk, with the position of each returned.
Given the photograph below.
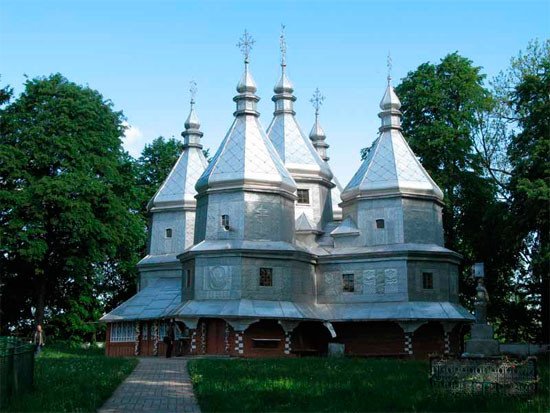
(545, 308)
(40, 299)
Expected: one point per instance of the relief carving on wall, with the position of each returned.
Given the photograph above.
(380, 282)
(264, 224)
(369, 282)
(391, 280)
(333, 283)
(218, 278)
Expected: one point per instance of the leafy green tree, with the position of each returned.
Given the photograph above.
(5, 95)
(69, 212)
(529, 153)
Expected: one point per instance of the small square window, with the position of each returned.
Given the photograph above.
(348, 283)
(427, 280)
(266, 277)
(380, 224)
(225, 222)
(188, 279)
(168, 232)
(303, 196)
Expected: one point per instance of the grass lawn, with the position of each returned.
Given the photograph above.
(321, 384)
(73, 380)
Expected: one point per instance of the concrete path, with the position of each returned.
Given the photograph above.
(156, 385)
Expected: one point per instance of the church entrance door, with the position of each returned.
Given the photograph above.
(215, 336)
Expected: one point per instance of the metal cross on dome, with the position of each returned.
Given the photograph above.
(246, 42)
(317, 101)
(193, 91)
(282, 43)
(389, 64)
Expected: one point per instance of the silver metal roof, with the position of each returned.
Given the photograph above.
(303, 224)
(162, 299)
(336, 197)
(178, 189)
(159, 259)
(347, 227)
(294, 148)
(236, 244)
(157, 300)
(245, 308)
(246, 157)
(391, 167)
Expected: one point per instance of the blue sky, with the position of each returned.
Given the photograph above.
(142, 55)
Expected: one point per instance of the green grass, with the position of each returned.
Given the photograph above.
(72, 380)
(359, 385)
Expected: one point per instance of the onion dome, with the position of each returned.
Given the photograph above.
(247, 83)
(192, 121)
(192, 134)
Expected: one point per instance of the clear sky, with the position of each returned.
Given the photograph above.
(142, 55)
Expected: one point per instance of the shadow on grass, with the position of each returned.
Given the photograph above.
(334, 385)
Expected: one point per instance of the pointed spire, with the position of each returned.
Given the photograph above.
(317, 134)
(292, 145)
(284, 85)
(390, 105)
(192, 121)
(246, 99)
(192, 134)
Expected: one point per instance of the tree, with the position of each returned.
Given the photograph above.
(69, 216)
(529, 153)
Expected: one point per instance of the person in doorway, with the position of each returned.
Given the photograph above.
(171, 337)
(39, 340)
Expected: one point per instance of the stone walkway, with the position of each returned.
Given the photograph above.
(156, 385)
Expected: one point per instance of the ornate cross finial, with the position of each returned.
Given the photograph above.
(193, 91)
(389, 64)
(282, 43)
(246, 42)
(317, 101)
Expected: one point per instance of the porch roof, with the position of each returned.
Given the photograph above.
(157, 300)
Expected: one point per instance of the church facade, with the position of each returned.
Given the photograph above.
(261, 252)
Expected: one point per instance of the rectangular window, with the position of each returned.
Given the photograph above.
(266, 277)
(225, 222)
(168, 232)
(348, 283)
(188, 278)
(265, 342)
(380, 224)
(427, 280)
(123, 332)
(303, 196)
